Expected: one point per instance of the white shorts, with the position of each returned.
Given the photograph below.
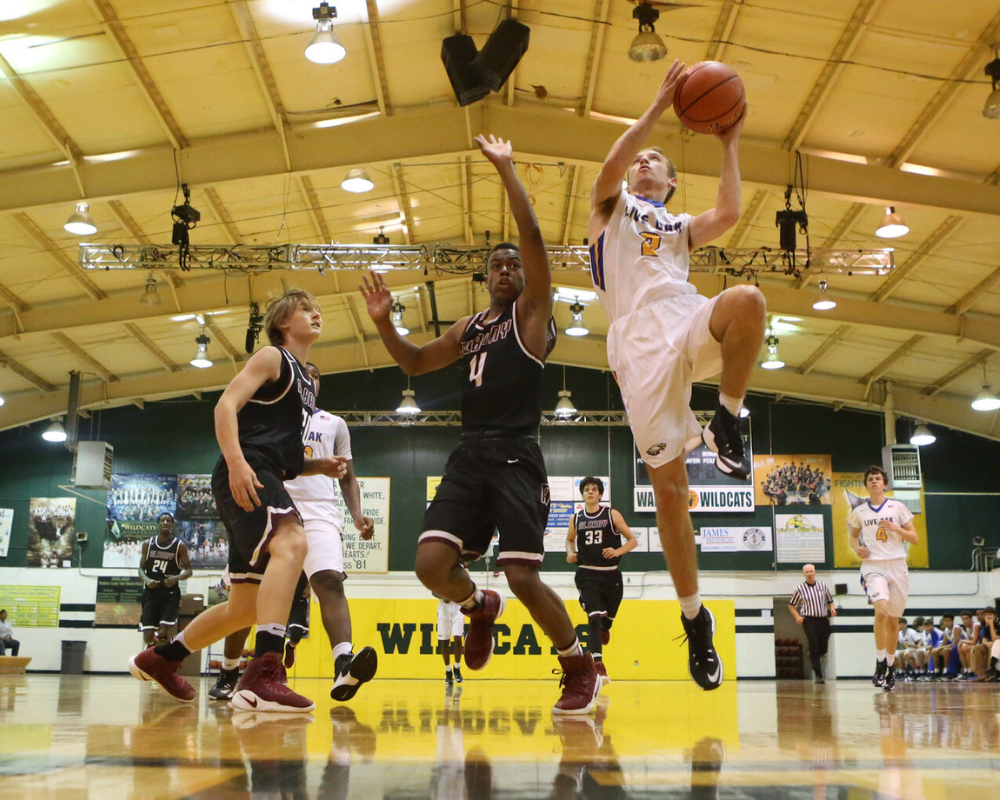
(656, 353)
(325, 547)
(887, 580)
(451, 620)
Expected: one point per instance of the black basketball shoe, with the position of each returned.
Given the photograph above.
(226, 685)
(723, 437)
(878, 679)
(890, 679)
(704, 663)
(353, 670)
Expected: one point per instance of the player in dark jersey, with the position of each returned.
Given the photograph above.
(164, 564)
(496, 478)
(258, 422)
(594, 543)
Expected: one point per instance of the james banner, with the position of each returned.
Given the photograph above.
(792, 480)
(849, 491)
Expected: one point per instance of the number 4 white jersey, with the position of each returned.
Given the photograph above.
(882, 543)
(315, 496)
(642, 257)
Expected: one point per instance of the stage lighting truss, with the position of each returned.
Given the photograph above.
(378, 419)
(446, 259)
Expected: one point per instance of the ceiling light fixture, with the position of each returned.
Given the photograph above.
(892, 225)
(577, 328)
(565, 407)
(922, 436)
(992, 108)
(397, 318)
(55, 432)
(325, 47)
(201, 359)
(824, 303)
(80, 222)
(986, 400)
(357, 181)
(381, 238)
(647, 46)
(150, 297)
(773, 360)
(408, 405)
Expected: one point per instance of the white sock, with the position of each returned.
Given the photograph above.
(573, 650)
(691, 605)
(447, 667)
(229, 664)
(731, 404)
(342, 649)
(273, 628)
(880, 655)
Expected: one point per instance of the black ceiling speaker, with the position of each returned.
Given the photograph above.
(457, 53)
(502, 51)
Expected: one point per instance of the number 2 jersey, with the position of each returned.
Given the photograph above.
(882, 543)
(641, 257)
(502, 379)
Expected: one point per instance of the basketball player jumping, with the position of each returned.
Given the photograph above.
(496, 478)
(879, 529)
(664, 337)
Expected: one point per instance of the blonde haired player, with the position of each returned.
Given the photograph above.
(880, 529)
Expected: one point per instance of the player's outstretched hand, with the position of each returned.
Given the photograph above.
(243, 484)
(377, 297)
(366, 527)
(495, 150)
(665, 95)
(732, 133)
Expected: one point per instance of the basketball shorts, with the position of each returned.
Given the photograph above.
(656, 354)
(251, 532)
(492, 484)
(451, 620)
(600, 592)
(159, 607)
(326, 547)
(887, 580)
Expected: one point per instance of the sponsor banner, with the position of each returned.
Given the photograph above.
(31, 606)
(792, 480)
(642, 537)
(51, 531)
(118, 601)
(800, 538)
(848, 490)
(6, 523)
(370, 555)
(711, 490)
(735, 540)
(560, 513)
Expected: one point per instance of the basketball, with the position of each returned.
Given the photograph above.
(710, 98)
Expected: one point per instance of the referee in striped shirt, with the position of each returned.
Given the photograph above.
(812, 606)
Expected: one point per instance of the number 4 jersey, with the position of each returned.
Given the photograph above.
(502, 380)
(882, 543)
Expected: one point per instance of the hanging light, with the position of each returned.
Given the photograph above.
(2, 401)
(647, 46)
(577, 328)
(992, 108)
(397, 318)
(773, 360)
(824, 303)
(55, 432)
(408, 405)
(325, 47)
(357, 181)
(201, 359)
(892, 225)
(565, 407)
(80, 222)
(922, 436)
(986, 400)
(150, 297)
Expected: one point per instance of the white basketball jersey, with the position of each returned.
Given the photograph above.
(642, 257)
(315, 496)
(882, 543)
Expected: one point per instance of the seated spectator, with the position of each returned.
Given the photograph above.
(970, 632)
(979, 656)
(7, 640)
(942, 653)
(906, 650)
(932, 637)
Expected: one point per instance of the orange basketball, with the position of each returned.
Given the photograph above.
(710, 98)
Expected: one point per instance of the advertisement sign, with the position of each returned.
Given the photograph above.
(31, 606)
(735, 540)
(800, 538)
(792, 480)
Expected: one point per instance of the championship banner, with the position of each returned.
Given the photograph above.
(135, 502)
(6, 523)
(709, 489)
(792, 480)
(735, 540)
(51, 531)
(118, 601)
(849, 491)
(31, 606)
(800, 538)
(371, 555)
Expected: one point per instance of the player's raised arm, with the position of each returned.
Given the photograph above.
(716, 221)
(412, 359)
(604, 193)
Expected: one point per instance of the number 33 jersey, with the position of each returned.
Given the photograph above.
(502, 380)
(882, 543)
(641, 257)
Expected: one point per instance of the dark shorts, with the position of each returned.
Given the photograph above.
(250, 532)
(159, 607)
(600, 592)
(492, 484)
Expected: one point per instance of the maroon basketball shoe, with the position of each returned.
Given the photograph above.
(479, 639)
(602, 672)
(605, 636)
(580, 685)
(151, 666)
(262, 688)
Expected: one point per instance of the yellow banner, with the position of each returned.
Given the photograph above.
(848, 489)
(403, 633)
